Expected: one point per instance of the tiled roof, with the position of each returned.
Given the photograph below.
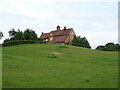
(57, 32)
(45, 35)
(60, 38)
(58, 35)
(60, 32)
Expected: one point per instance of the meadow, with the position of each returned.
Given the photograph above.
(57, 66)
(0, 67)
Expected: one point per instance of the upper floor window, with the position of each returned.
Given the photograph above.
(51, 39)
(51, 34)
(72, 32)
(46, 40)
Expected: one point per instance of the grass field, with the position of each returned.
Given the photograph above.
(0, 67)
(56, 66)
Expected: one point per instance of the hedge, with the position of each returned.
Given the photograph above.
(17, 42)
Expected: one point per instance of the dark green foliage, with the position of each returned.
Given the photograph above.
(80, 41)
(30, 35)
(109, 47)
(1, 34)
(19, 35)
(17, 42)
(12, 33)
(101, 47)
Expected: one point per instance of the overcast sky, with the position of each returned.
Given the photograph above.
(97, 20)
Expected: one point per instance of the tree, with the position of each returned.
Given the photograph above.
(1, 35)
(12, 33)
(117, 47)
(16, 35)
(19, 35)
(101, 47)
(82, 42)
(109, 47)
(30, 35)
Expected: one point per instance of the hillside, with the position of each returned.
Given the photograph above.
(56, 66)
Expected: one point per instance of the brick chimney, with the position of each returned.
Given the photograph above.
(58, 27)
(64, 30)
(64, 27)
(42, 33)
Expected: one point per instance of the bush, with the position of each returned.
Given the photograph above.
(81, 42)
(109, 47)
(101, 48)
(17, 42)
(52, 56)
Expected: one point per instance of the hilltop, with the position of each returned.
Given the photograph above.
(57, 66)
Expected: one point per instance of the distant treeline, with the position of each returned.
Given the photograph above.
(27, 36)
(109, 47)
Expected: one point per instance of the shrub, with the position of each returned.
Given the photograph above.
(81, 42)
(17, 42)
(101, 47)
(109, 47)
(52, 56)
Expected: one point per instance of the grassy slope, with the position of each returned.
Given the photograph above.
(0, 67)
(75, 67)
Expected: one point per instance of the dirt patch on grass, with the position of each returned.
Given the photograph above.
(56, 53)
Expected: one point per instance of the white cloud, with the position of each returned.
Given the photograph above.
(89, 18)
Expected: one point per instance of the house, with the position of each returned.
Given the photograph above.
(59, 36)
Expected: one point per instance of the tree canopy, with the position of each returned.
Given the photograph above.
(109, 47)
(28, 34)
(80, 41)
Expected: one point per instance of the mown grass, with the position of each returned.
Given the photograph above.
(31, 66)
(0, 67)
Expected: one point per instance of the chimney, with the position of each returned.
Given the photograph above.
(42, 32)
(64, 27)
(58, 27)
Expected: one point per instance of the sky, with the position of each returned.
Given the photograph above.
(97, 20)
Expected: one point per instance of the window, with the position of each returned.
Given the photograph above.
(46, 40)
(72, 33)
(51, 34)
(51, 39)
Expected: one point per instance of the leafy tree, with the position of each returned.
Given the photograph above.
(16, 35)
(109, 47)
(101, 47)
(1, 34)
(19, 35)
(12, 33)
(117, 47)
(80, 41)
(30, 35)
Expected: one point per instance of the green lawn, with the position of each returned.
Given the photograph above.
(0, 67)
(28, 66)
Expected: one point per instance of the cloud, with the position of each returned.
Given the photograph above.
(94, 19)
